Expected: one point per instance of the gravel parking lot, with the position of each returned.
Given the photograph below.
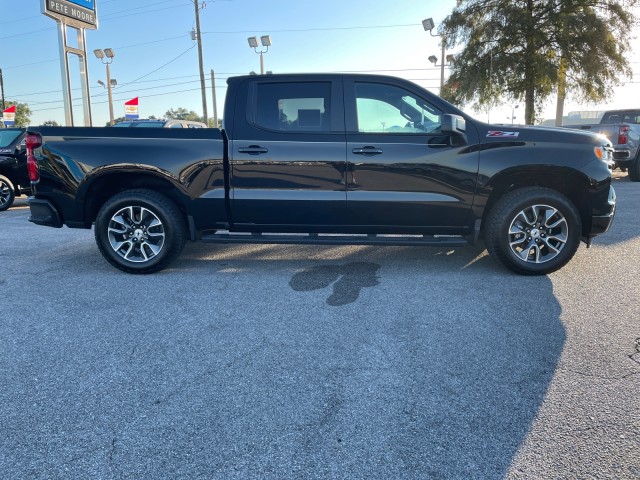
(307, 362)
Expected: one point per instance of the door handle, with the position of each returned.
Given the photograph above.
(367, 151)
(253, 150)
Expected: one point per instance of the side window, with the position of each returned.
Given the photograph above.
(388, 109)
(294, 107)
(176, 125)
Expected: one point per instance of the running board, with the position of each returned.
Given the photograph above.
(336, 239)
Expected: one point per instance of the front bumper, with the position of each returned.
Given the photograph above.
(601, 223)
(43, 212)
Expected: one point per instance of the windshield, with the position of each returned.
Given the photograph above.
(7, 137)
(149, 124)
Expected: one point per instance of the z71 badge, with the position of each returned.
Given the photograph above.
(499, 134)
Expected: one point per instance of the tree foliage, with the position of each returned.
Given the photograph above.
(50, 123)
(23, 113)
(183, 114)
(516, 48)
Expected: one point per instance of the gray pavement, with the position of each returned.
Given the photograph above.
(305, 362)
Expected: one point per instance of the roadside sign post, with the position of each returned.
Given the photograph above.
(79, 15)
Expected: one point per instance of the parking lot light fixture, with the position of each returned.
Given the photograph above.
(109, 54)
(428, 26)
(265, 40)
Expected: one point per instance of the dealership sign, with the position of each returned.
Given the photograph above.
(76, 13)
(9, 116)
(131, 109)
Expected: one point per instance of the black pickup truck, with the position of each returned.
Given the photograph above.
(14, 180)
(326, 159)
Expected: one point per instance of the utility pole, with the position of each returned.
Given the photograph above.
(2, 88)
(215, 103)
(199, 40)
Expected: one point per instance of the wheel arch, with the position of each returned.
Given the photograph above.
(96, 191)
(569, 182)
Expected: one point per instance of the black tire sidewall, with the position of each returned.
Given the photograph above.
(12, 193)
(511, 206)
(160, 206)
(634, 169)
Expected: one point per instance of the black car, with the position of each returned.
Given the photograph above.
(14, 179)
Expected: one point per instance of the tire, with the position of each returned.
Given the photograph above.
(533, 231)
(140, 231)
(634, 169)
(7, 193)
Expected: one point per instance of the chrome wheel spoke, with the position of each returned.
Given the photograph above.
(538, 233)
(130, 236)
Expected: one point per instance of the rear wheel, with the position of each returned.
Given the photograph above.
(7, 193)
(533, 231)
(140, 231)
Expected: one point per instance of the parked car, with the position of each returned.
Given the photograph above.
(327, 159)
(14, 180)
(622, 128)
(151, 123)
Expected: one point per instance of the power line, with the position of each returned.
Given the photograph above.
(318, 29)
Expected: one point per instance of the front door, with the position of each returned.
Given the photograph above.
(403, 171)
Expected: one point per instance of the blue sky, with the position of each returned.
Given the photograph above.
(157, 60)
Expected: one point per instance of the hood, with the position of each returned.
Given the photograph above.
(528, 133)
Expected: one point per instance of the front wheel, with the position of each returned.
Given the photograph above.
(7, 193)
(140, 231)
(533, 231)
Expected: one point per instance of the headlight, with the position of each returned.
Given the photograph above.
(604, 155)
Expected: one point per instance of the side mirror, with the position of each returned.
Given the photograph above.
(455, 126)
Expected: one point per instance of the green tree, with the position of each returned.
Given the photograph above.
(527, 49)
(184, 114)
(23, 113)
(50, 123)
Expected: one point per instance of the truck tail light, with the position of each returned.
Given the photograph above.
(33, 141)
(623, 135)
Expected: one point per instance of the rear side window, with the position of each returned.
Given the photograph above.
(294, 106)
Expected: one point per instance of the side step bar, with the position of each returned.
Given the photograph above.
(335, 239)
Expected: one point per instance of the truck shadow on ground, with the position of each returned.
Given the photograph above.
(446, 369)
(271, 361)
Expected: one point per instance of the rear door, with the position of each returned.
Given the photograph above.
(403, 172)
(288, 154)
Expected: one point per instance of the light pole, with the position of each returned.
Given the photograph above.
(198, 36)
(513, 113)
(106, 56)
(428, 26)
(2, 88)
(266, 42)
